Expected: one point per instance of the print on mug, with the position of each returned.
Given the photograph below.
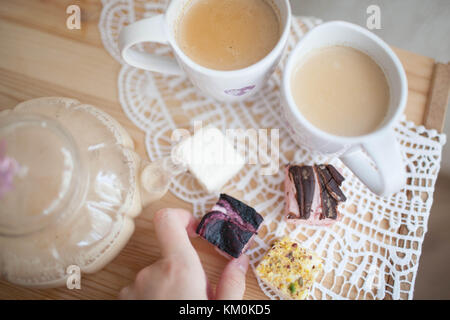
(239, 92)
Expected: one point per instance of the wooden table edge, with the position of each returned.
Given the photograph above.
(438, 96)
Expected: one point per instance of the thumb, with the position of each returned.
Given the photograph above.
(231, 285)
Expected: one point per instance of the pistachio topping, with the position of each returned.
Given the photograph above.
(290, 268)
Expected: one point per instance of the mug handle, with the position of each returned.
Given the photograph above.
(389, 176)
(147, 30)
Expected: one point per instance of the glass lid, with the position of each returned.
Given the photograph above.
(38, 162)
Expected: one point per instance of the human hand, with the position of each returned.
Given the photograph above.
(179, 274)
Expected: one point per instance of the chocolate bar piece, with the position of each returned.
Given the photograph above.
(329, 204)
(230, 225)
(313, 194)
(330, 183)
(304, 181)
(336, 174)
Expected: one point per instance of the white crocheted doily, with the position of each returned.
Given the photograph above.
(372, 253)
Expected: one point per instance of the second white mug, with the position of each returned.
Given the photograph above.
(385, 174)
(225, 86)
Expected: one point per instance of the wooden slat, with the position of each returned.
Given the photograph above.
(50, 17)
(438, 97)
(51, 58)
(419, 70)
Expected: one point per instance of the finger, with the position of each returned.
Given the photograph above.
(192, 228)
(231, 285)
(173, 227)
(209, 290)
(126, 293)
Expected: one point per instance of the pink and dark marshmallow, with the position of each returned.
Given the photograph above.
(230, 225)
(313, 194)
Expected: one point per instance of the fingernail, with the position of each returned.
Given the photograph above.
(193, 235)
(243, 262)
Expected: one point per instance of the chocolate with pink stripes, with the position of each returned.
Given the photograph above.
(230, 225)
(328, 181)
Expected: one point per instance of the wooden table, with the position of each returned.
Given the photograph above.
(39, 57)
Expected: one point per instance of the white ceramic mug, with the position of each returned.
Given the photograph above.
(388, 174)
(222, 85)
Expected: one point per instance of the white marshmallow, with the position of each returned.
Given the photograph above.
(210, 157)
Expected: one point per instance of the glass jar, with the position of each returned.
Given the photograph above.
(70, 186)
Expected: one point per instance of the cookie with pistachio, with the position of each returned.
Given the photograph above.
(289, 269)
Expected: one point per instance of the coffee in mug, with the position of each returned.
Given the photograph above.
(341, 90)
(228, 34)
(227, 48)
